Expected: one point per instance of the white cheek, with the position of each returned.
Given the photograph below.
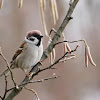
(36, 41)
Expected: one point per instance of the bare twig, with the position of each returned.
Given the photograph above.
(72, 57)
(8, 67)
(70, 41)
(5, 87)
(88, 56)
(37, 97)
(5, 93)
(57, 61)
(53, 30)
(35, 81)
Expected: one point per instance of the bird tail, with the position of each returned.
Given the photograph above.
(5, 72)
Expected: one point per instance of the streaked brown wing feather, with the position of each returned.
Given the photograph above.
(18, 52)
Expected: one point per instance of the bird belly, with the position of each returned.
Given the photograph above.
(27, 59)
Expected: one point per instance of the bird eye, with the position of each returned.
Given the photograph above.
(31, 39)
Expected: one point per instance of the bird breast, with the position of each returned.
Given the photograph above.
(30, 56)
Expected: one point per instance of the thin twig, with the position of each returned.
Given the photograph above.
(88, 56)
(57, 61)
(73, 57)
(8, 66)
(69, 41)
(35, 81)
(53, 30)
(37, 97)
(5, 93)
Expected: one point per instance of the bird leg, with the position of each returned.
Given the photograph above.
(26, 74)
(41, 62)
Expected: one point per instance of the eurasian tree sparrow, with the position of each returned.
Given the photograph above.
(29, 53)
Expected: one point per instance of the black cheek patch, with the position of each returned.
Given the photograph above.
(38, 44)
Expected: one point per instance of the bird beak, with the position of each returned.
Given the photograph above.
(41, 36)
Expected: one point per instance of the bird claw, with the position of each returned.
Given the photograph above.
(28, 75)
(41, 62)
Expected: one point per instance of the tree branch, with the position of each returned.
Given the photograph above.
(31, 90)
(57, 61)
(35, 81)
(49, 48)
(5, 87)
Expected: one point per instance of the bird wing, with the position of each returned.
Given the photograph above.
(18, 52)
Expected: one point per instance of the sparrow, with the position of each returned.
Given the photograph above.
(29, 53)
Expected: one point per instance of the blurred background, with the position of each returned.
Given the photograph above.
(76, 82)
